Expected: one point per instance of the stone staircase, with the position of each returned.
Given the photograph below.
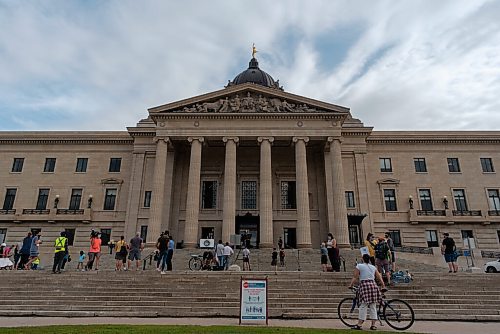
(291, 294)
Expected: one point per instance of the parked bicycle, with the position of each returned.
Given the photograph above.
(207, 261)
(397, 313)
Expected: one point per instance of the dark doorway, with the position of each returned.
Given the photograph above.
(355, 232)
(290, 237)
(247, 227)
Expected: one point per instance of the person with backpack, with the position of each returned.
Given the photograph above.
(382, 253)
(449, 250)
(120, 253)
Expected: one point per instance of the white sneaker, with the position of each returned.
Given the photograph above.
(158, 269)
(163, 273)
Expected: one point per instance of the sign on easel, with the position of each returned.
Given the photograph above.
(253, 301)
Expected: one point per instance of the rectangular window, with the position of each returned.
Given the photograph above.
(110, 199)
(396, 237)
(288, 195)
(75, 200)
(432, 238)
(43, 197)
(147, 199)
(425, 199)
(487, 165)
(420, 165)
(460, 201)
(105, 236)
(494, 199)
(17, 165)
(249, 195)
(453, 165)
(467, 234)
(3, 234)
(349, 199)
(385, 164)
(70, 234)
(81, 165)
(10, 197)
(144, 232)
(209, 195)
(50, 165)
(115, 165)
(390, 200)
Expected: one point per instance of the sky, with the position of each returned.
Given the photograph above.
(398, 65)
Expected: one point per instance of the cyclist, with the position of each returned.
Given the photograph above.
(369, 293)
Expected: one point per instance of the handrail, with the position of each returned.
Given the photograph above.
(149, 257)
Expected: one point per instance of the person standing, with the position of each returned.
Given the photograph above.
(282, 257)
(390, 243)
(120, 253)
(170, 252)
(382, 254)
(246, 259)
(94, 250)
(36, 241)
(324, 257)
(25, 251)
(17, 255)
(81, 259)
(111, 245)
(274, 259)
(370, 243)
(219, 252)
(280, 243)
(333, 253)
(448, 249)
(60, 245)
(136, 246)
(228, 251)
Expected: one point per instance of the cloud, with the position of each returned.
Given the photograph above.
(398, 65)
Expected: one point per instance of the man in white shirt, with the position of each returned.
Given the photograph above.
(246, 259)
(228, 251)
(219, 252)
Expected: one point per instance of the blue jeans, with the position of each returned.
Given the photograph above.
(221, 260)
(163, 259)
(225, 260)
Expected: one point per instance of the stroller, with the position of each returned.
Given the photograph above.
(5, 262)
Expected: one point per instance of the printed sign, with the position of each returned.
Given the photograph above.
(253, 301)
(364, 250)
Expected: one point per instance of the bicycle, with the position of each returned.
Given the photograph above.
(195, 262)
(397, 313)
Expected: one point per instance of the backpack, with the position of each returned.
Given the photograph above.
(381, 250)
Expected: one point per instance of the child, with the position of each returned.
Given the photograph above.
(324, 257)
(35, 263)
(282, 257)
(81, 259)
(274, 261)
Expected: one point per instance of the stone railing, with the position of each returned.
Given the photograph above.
(494, 213)
(414, 249)
(70, 212)
(490, 254)
(36, 211)
(431, 212)
(467, 212)
(8, 212)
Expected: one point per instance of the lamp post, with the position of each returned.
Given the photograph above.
(410, 201)
(445, 202)
(56, 201)
(89, 202)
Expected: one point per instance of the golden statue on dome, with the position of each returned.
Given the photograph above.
(254, 50)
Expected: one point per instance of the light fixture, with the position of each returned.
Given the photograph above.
(56, 201)
(410, 201)
(89, 202)
(445, 202)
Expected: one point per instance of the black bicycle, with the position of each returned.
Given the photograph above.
(396, 312)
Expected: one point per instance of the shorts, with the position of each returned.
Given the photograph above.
(274, 262)
(246, 259)
(134, 254)
(120, 256)
(382, 265)
(450, 258)
(393, 257)
(324, 259)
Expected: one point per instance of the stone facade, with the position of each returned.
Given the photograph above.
(256, 159)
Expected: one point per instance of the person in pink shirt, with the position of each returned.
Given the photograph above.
(94, 251)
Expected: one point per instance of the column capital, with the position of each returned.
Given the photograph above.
(200, 139)
(234, 139)
(269, 139)
(304, 139)
(165, 139)
(332, 139)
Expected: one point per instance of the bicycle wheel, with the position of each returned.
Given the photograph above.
(194, 263)
(348, 311)
(398, 314)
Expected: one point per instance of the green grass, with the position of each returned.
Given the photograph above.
(155, 329)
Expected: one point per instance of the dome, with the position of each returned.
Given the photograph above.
(255, 75)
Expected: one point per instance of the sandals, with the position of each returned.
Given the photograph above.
(373, 328)
(356, 327)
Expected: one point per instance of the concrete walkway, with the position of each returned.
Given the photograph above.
(440, 327)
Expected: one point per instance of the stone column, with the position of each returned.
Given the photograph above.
(229, 205)
(266, 193)
(193, 194)
(134, 194)
(341, 231)
(303, 214)
(155, 212)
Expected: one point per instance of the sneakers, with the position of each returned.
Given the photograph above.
(163, 273)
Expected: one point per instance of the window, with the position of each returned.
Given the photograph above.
(385, 164)
(432, 238)
(460, 201)
(3, 234)
(110, 199)
(249, 195)
(207, 232)
(467, 234)
(43, 197)
(144, 232)
(390, 200)
(209, 195)
(81, 165)
(10, 197)
(425, 199)
(17, 166)
(50, 165)
(105, 236)
(487, 165)
(114, 165)
(288, 195)
(147, 199)
(420, 165)
(396, 237)
(453, 165)
(349, 199)
(76, 198)
(493, 199)
(70, 234)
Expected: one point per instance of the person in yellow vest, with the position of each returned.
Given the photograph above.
(60, 245)
(370, 243)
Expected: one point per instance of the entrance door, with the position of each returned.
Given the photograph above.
(290, 237)
(248, 228)
(354, 235)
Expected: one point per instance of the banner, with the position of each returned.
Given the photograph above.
(253, 300)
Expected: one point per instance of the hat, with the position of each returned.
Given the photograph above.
(446, 234)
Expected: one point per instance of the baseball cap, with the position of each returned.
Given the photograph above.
(446, 234)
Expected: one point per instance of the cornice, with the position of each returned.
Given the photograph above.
(437, 137)
(65, 138)
(339, 116)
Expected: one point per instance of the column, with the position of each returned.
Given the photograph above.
(266, 193)
(193, 194)
(134, 194)
(303, 215)
(341, 231)
(156, 210)
(229, 206)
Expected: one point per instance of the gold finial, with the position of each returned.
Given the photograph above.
(254, 50)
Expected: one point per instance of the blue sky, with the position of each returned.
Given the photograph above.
(399, 65)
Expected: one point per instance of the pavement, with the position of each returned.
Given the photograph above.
(438, 327)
